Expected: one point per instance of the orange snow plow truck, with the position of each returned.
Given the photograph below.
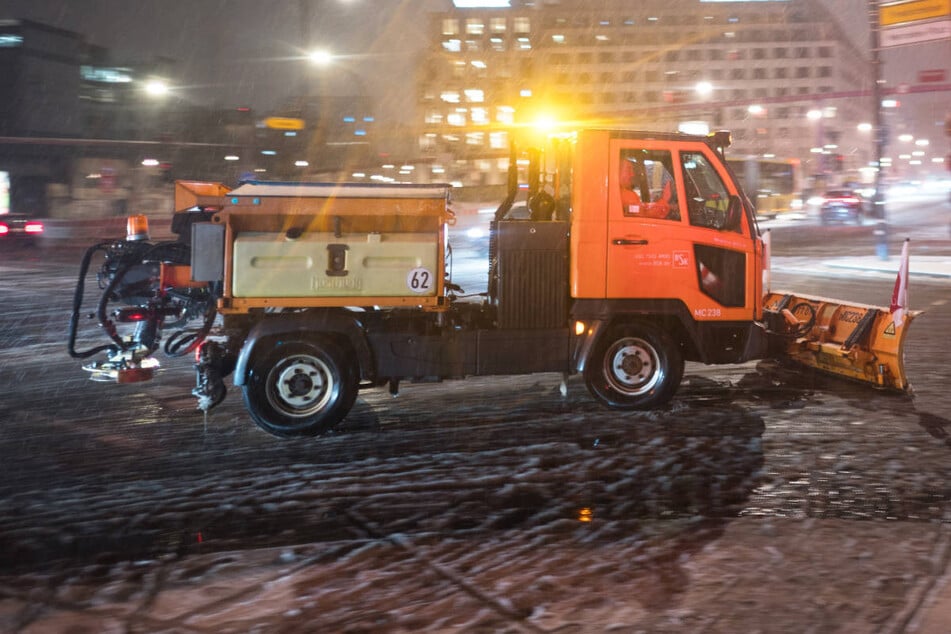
(641, 252)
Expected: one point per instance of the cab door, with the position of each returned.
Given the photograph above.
(690, 242)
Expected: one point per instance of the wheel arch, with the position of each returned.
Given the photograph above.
(342, 327)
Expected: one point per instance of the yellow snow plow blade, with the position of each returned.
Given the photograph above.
(852, 340)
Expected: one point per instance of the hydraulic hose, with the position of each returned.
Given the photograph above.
(190, 339)
(107, 324)
(77, 306)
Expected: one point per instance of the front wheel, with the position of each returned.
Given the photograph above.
(301, 388)
(634, 366)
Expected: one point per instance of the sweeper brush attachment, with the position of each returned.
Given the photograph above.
(855, 341)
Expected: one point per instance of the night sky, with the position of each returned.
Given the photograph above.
(247, 52)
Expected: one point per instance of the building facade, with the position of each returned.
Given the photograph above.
(781, 75)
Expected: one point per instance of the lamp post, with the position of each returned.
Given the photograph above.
(818, 174)
(338, 119)
(878, 125)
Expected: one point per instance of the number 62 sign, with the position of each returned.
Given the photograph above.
(419, 280)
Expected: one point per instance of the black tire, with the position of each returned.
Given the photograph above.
(300, 388)
(634, 366)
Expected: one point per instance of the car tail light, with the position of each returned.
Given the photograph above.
(4, 229)
(33, 227)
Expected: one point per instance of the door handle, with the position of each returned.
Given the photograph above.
(627, 241)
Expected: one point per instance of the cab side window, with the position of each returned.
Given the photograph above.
(646, 184)
(708, 200)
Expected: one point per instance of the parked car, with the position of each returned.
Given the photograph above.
(841, 205)
(19, 227)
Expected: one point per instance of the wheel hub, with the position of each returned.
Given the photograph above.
(633, 367)
(300, 385)
(631, 364)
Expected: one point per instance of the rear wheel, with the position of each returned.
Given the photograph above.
(301, 388)
(634, 366)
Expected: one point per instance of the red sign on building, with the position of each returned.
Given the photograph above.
(931, 76)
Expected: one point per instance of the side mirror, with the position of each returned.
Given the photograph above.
(734, 214)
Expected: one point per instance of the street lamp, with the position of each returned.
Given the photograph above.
(704, 91)
(155, 87)
(332, 97)
(320, 57)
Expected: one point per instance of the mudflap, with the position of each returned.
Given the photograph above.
(855, 341)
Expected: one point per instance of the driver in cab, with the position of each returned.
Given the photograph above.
(635, 192)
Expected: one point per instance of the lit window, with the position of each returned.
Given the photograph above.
(456, 118)
(521, 25)
(505, 114)
(479, 115)
(453, 45)
(497, 25)
(106, 75)
(474, 26)
(475, 95)
(450, 96)
(450, 27)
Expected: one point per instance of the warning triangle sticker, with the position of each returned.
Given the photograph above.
(890, 330)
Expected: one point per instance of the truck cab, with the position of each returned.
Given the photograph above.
(683, 235)
(684, 249)
(665, 260)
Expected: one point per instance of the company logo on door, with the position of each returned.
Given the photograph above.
(681, 259)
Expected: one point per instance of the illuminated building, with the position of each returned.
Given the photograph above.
(757, 68)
